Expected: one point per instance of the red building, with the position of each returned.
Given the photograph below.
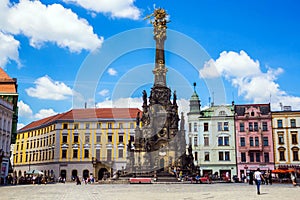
(254, 143)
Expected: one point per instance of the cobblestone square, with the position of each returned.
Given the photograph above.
(70, 191)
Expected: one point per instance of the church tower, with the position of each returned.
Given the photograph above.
(159, 144)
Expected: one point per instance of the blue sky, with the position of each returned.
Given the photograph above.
(68, 52)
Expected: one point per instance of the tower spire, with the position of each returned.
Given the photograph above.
(160, 27)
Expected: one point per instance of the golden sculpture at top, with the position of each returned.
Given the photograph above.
(159, 23)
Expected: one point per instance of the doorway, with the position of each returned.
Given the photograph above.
(101, 173)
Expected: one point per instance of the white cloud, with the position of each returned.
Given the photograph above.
(245, 74)
(20, 125)
(104, 92)
(46, 88)
(231, 64)
(121, 103)
(24, 110)
(8, 49)
(115, 8)
(43, 113)
(48, 23)
(112, 72)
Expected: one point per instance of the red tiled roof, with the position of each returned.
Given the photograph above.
(7, 84)
(89, 113)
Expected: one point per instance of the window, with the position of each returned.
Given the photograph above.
(195, 141)
(121, 139)
(190, 127)
(131, 138)
(109, 138)
(98, 154)
(255, 126)
(75, 138)
(108, 154)
(76, 126)
(132, 125)
(219, 126)
(65, 138)
(221, 155)
(98, 125)
(250, 126)
(87, 126)
(266, 157)
(65, 126)
(226, 127)
(257, 156)
(121, 153)
(265, 126)
(252, 113)
(120, 125)
(222, 113)
(266, 141)
(64, 153)
(242, 127)
(195, 127)
(223, 141)
(206, 141)
(251, 141)
(206, 156)
(87, 139)
(224, 155)
(294, 138)
(281, 155)
(98, 138)
(243, 157)
(205, 127)
(86, 153)
(227, 155)
(293, 123)
(280, 138)
(242, 141)
(251, 157)
(295, 154)
(279, 123)
(256, 141)
(75, 153)
(109, 125)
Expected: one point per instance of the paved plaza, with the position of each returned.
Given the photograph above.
(224, 191)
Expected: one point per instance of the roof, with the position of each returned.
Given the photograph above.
(84, 114)
(7, 84)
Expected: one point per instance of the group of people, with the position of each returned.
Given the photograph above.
(86, 180)
(260, 178)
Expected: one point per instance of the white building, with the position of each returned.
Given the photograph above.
(216, 143)
(6, 115)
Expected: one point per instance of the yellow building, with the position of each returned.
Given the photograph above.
(79, 142)
(286, 138)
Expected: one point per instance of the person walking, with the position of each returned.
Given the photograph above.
(258, 178)
(293, 178)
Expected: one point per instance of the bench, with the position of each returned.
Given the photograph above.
(140, 180)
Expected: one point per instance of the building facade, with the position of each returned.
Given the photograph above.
(9, 92)
(216, 142)
(79, 142)
(254, 142)
(193, 125)
(286, 137)
(6, 118)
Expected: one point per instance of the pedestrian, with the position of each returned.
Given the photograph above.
(293, 178)
(270, 177)
(258, 178)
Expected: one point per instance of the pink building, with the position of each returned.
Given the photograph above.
(254, 143)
